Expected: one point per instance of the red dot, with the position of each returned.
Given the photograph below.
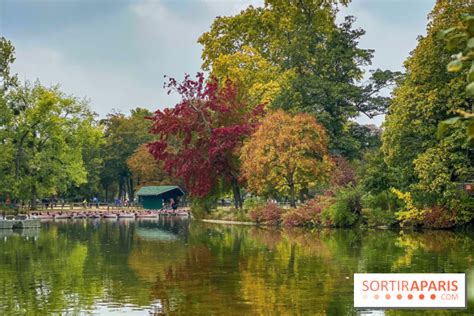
(433, 296)
(410, 296)
(422, 296)
(376, 296)
(399, 296)
(387, 296)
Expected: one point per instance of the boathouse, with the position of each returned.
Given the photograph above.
(154, 197)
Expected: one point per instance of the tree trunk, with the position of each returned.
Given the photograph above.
(131, 191)
(33, 197)
(120, 193)
(236, 192)
(304, 194)
(292, 195)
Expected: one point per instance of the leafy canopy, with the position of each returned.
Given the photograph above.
(285, 155)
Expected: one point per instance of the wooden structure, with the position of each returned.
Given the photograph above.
(154, 197)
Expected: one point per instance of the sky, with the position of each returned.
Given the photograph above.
(115, 53)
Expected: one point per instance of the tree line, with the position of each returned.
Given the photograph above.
(272, 120)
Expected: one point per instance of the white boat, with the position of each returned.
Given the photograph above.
(110, 215)
(144, 215)
(126, 215)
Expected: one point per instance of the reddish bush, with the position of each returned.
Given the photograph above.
(343, 173)
(308, 214)
(269, 214)
(439, 217)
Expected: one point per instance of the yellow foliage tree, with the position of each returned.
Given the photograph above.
(146, 170)
(258, 80)
(285, 155)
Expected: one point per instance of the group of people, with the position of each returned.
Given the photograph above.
(52, 202)
(119, 202)
(95, 202)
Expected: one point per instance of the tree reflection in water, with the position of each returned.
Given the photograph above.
(174, 266)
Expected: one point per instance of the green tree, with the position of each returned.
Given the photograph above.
(317, 62)
(123, 135)
(427, 96)
(43, 133)
(461, 39)
(49, 130)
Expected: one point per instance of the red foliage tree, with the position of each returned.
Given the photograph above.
(343, 173)
(199, 139)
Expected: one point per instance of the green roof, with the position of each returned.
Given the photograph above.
(157, 190)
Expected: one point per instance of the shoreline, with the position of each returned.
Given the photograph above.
(221, 221)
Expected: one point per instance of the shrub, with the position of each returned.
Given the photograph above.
(308, 214)
(228, 214)
(254, 202)
(201, 207)
(378, 209)
(464, 206)
(268, 214)
(439, 217)
(343, 173)
(409, 215)
(346, 207)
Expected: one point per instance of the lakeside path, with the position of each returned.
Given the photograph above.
(219, 221)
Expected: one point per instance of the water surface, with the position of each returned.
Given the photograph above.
(176, 266)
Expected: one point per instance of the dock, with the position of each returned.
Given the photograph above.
(20, 223)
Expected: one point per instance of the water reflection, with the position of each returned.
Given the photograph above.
(174, 266)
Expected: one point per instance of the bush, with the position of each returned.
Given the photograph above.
(439, 217)
(343, 173)
(409, 215)
(200, 207)
(228, 214)
(346, 208)
(268, 214)
(308, 214)
(379, 209)
(254, 202)
(464, 206)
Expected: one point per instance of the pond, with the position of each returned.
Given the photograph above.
(176, 266)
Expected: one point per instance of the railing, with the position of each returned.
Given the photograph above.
(23, 208)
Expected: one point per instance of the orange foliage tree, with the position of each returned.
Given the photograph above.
(285, 155)
(146, 170)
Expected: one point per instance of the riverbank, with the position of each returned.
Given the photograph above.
(220, 221)
(317, 213)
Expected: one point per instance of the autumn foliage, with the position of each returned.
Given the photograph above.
(309, 213)
(286, 154)
(199, 139)
(146, 170)
(267, 214)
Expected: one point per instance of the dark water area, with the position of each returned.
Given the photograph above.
(177, 266)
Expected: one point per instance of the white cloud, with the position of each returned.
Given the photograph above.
(106, 88)
(149, 39)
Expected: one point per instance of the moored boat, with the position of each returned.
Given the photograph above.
(146, 215)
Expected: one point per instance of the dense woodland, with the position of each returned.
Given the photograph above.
(271, 117)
